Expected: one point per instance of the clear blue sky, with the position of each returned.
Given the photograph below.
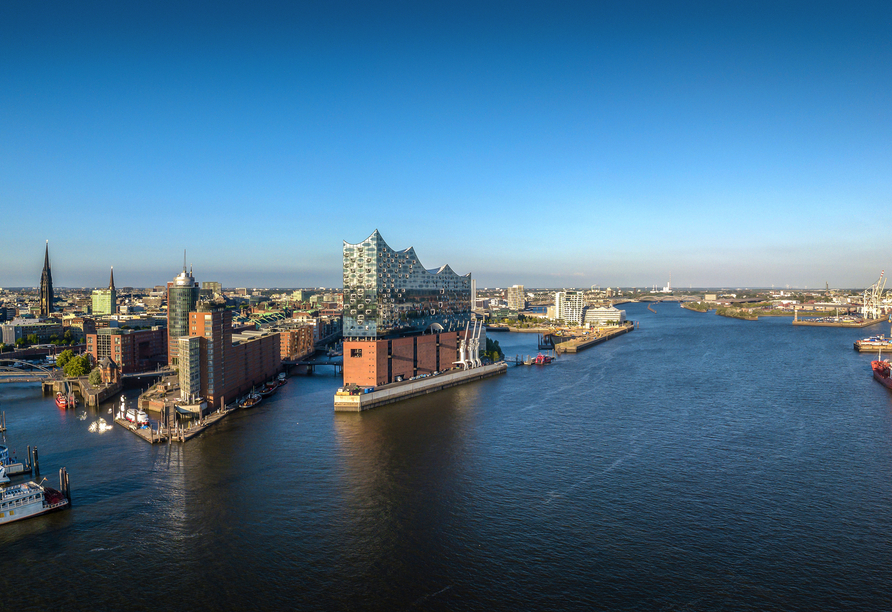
(548, 144)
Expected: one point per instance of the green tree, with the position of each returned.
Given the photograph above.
(95, 377)
(77, 366)
(32, 339)
(21, 342)
(64, 357)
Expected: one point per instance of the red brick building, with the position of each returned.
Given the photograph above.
(231, 364)
(133, 350)
(297, 343)
(378, 362)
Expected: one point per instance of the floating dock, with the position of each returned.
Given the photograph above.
(176, 434)
(397, 392)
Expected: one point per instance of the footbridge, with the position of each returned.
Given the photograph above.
(17, 371)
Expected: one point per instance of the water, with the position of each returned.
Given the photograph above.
(698, 463)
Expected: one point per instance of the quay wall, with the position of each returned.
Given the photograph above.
(402, 391)
(574, 346)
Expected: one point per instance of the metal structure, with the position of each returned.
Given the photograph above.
(15, 370)
(870, 308)
(469, 348)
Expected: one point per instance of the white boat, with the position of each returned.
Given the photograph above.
(139, 417)
(11, 467)
(30, 499)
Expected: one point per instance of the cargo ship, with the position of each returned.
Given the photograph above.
(881, 371)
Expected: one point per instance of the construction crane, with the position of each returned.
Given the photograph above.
(870, 308)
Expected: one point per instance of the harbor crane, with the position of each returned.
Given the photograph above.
(870, 308)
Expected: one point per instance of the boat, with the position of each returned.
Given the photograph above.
(137, 416)
(32, 499)
(65, 401)
(282, 376)
(542, 359)
(881, 372)
(268, 389)
(250, 400)
(99, 426)
(873, 344)
(11, 466)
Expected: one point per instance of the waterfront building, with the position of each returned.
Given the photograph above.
(517, 299)
(568, 306)
(46, 285)
(399, 319)
(189, 352)
(296, 342)
(133, 350)
(609, 315)
(105, 301)
(182, 296)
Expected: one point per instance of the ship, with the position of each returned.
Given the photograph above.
(65, 401)
(251, 400)
(873, 344)
(881, 370)
(32, 499)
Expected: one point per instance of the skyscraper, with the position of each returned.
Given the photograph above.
(182, 296)
(517, 299)
(46, 285)
(105, 301)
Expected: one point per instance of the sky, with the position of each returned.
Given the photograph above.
(547, 144)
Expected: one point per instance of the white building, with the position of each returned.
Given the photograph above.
(607, 315)
(568, 306)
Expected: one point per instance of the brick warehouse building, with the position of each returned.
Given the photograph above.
(400, 319)
(133, 350)
(228, 364)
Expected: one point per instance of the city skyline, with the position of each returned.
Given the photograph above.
(550, 146)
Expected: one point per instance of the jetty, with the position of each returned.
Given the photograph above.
(395, 392)
(179, 432)
(576, 344)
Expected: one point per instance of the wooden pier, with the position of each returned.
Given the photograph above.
(580, 344)
(161, 434)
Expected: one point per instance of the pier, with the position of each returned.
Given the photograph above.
(575, 345)
(176, 433)
(396, 392)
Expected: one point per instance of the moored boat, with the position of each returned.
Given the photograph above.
(65, 401)
(31, 499)
(873, 344)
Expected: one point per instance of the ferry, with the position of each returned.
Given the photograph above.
(31, 499)
(11, 466)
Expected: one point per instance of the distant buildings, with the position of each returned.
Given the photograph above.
(105, 301)
(597, 316)
(568, 306)
(46, 285)
(517, 299)
(400, 319)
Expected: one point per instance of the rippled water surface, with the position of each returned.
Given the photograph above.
(698, 463)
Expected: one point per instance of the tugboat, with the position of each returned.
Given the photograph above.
(65, 401)
(250, 400)
(32, 499)
(269, 388)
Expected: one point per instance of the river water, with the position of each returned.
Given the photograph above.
(697, 463)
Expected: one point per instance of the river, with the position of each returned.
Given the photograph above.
(697, 463)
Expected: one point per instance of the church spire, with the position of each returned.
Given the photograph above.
(46, 285)
(111, 279)
(46, 257)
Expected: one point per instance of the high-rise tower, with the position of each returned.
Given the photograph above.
(46, 285)
(182, 297)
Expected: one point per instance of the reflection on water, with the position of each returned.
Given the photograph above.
(698, 462)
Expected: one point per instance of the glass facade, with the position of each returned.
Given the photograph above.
(388, 292)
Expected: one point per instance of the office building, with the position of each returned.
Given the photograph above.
(609, 315)
(105, 301)
(400, 319)
(182, 296)
(132, 350)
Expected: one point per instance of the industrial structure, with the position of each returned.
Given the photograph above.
(873, 295)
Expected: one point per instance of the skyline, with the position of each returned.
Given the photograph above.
(572, 145)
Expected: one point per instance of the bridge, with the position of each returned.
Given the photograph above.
(17, 371)
(151, 374)
(336, 361)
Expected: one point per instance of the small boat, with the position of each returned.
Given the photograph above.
(12, 466)
(268, 389)
(31, 499)
(137, 416)
(65, 401)
(250, 400)
(281, 382)
(542, 359)
(282, 376)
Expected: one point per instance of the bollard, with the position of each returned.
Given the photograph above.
(30, 460)
(36, 464)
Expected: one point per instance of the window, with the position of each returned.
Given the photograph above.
(356, 352)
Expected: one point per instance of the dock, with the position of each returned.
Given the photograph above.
(161, 434)
(841, 323)
(580, 344)
(397, 392)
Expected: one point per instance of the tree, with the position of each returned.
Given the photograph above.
(77, 366)
(95, 377)
(64, 357)
(32, 339)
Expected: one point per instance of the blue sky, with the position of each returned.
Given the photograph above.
(547, 144)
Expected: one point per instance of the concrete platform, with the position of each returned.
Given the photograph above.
(401, 391)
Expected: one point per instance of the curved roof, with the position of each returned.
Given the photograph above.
(376, 239)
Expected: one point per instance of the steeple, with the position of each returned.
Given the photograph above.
(46, 285)
(111, 279)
